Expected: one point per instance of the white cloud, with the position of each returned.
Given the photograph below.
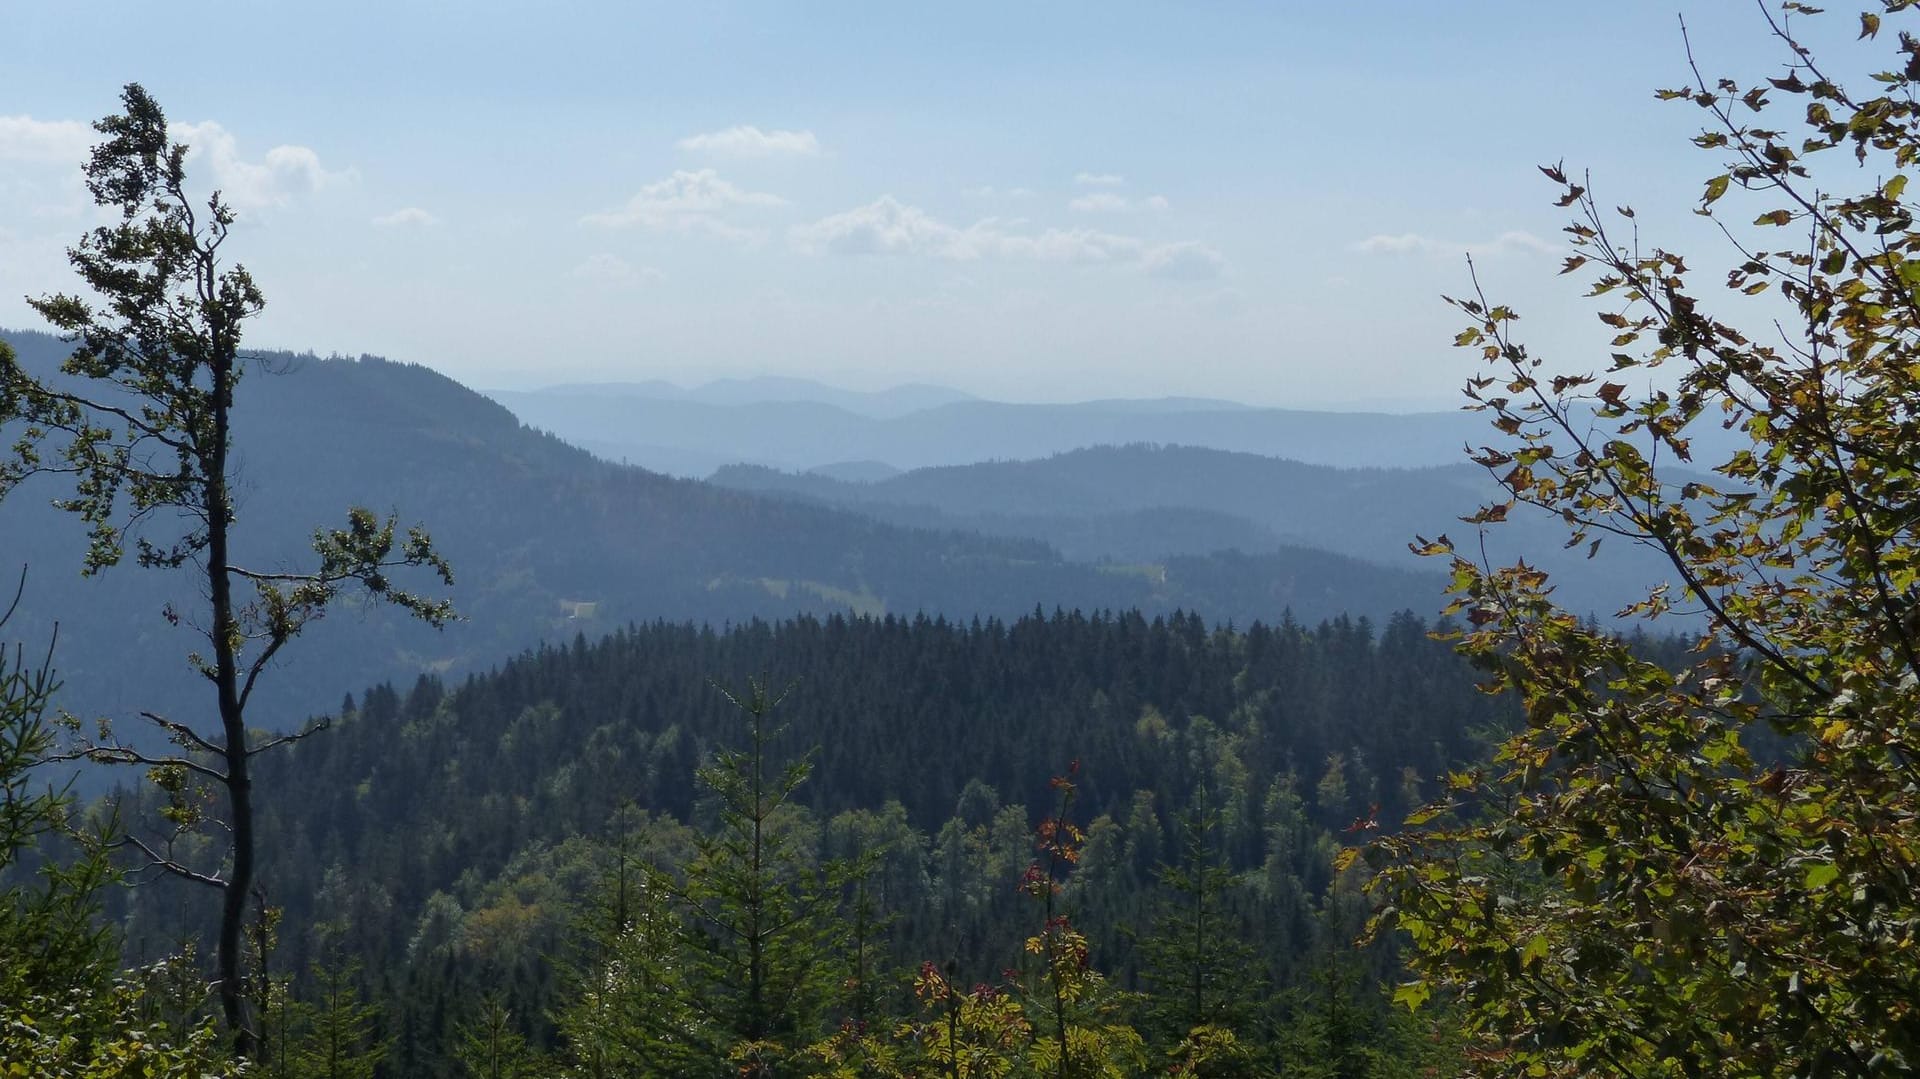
(213, 161)
(1187, 261)
(1099, 179)
(605, 269)
(56, 142)
(687, 202)
(409, 215)
(883, 227)
(889, 227)
(1395, 244)
(1410, 243)
(746, 140)
(1063, 245)
(1095, 202)
(988, 191)
(285, 171)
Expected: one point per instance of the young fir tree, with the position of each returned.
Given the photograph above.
(631, 1012)
(339, 1039)
(1205, 986)
(733, 964)
(491, 1046)
(761, 929)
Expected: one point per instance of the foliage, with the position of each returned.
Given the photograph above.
(1057, 1017)
(63, 1014)
(105, 1033)
(1636, 886)
(49, 940)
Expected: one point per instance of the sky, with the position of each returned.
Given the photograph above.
(1039, 202)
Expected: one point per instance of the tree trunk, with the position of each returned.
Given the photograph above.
(233, 726)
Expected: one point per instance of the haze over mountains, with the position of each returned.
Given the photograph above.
(692, 433)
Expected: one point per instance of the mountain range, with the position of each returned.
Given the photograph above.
(692, 434)
(548, 542)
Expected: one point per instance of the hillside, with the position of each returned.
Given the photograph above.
(547, 541)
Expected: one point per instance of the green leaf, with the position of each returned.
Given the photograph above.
(1821, 874)
(1412, 994)
(1534, 951)
(1716, 187)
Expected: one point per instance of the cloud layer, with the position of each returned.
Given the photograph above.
(285, 172)
(887, 226)
(407, 216)
(1415, 243)
(1110, 202)
(606, 269)
(687, 202)
(56, 142)
(746, 140)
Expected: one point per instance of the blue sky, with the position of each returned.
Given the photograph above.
(1261, 201)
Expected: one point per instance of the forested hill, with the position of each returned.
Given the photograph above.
(458, 837)
(1083, 500)
(547, 541)
(1142, 502)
